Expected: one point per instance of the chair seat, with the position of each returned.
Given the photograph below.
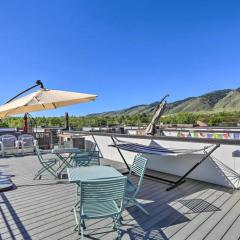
(82, 154)
(99, 209)
(82, 159)
(50, 160)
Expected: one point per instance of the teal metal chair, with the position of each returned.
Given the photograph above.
(137, 169)
(47, 165)
(86, 158)
(100, 199)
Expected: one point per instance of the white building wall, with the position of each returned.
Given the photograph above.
(221, 168)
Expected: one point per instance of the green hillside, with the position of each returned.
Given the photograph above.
(226, 100)
(215, 108)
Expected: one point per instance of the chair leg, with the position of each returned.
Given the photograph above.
(133, 202)
(39, 173)
(81, 229)
(36, 176)
(117, 226)
(137, 204)
(48, 168)
(84, 225)
(76, 228)
(76, 205)
(52, 171)
(39, 176)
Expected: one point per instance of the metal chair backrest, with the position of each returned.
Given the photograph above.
(27, 140)
(138, 168)
(95, 158)
(104, 190)
(8, 141)
(90, 146)
(87, 159)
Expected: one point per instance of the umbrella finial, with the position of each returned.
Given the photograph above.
(39, 83)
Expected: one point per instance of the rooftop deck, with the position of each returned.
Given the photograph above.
(40, 209)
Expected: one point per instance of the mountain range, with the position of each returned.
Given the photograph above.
(217, 101)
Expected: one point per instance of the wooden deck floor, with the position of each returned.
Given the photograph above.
(40, 209)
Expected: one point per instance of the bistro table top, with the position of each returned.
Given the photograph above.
(79, 174)
(66, 150)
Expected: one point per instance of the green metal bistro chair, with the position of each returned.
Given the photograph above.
(100, 199)
(138, 169)
(47, 165)
(86, 158)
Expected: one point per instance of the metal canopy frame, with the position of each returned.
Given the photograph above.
(181, 179)
(38, 83)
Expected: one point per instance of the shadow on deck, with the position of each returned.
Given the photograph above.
(40, 209)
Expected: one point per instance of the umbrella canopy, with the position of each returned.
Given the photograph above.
(43, 99)
(150, 130)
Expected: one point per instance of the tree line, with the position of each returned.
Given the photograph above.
(77, 122)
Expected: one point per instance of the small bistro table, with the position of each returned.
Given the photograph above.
(65, 155)
(79, 174)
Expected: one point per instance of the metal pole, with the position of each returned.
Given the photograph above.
(164, 98)
(66, 120)
(34, 124)
(38, 83)
(120, 154)
(182, 179)
(94, 139)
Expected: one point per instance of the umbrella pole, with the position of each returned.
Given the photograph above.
(33, 124)
(38, 83)
(66, 121)
(25, 128)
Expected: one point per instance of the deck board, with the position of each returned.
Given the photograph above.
(40, 209)
(160, 209)
(226, 222)
(183, 231)
(233, 232)
(209, 220)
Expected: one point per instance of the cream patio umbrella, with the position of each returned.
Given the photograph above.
(43, 99)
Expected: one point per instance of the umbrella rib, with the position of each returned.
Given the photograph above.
(36, 98)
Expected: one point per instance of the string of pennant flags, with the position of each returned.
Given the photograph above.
(193, 134)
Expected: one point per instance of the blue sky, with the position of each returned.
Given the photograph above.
(128, 52)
